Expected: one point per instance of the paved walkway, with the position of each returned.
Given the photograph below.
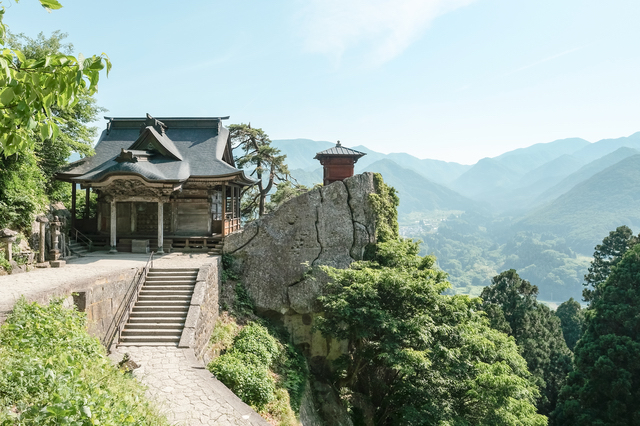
(184, 390)
(81, 270)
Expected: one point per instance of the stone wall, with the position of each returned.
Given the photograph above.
(277, 256)
(100, 298)
(204, 310)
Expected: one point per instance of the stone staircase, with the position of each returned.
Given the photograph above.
(77, 248)
(217, 248)
(160, 312)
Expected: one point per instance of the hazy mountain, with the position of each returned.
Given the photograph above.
(300, 152)
(485, 178)
(585, 173)
(306, 178)
(522, 160)
(606, 146)
(585, 214)
(417, 193)
(551, 171)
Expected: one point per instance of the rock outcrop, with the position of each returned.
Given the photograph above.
(276, 256)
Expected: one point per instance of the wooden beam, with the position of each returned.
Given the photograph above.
(73, 204)
(113, 227)
(224, 209)
(160, 227)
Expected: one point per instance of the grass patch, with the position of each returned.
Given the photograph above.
(52, 372)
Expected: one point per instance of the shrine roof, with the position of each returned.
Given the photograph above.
(339, 151)
(163, 149)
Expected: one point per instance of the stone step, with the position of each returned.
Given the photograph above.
(152, 344)
(162, 298)
(162, 302)
(165, 291)
(159, 332)
(177, 280)
(155, 322)
(161, 308)
(158, 315)
(168, 286)
(174, 270)
(151, 339)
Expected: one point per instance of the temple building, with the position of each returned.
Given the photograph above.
(338, 162)
(171, 182)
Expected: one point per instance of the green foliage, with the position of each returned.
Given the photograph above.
(227, 268)
(285, 191)
(511, 306)
(418, 356)
(605, 257)
(255, 339)
(572, 319)
(52, 372)
(267, 162)
(473, 248)
(385, 202)
(242, 305)
(604, 389)
(31, 87)
(4, 263)
(246, 377)
(21, 190)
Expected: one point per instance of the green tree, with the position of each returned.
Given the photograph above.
(604, 388)
(416, 356)
(605, 257)
(511, 306)
(572, 319)
(76, 135)
(29, 88)
(267, 162)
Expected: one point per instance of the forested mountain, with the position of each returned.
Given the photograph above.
(592, 208)
(540, 210)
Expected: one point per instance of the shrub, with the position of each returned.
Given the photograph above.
(52, 372)
(255, 339)
(246, 377)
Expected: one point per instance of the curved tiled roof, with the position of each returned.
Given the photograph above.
(189, 147)
(339, 151)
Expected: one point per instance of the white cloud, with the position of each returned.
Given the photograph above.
(384, 28)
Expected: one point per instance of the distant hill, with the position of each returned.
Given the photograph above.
(606, 146)
(485, 178)
(523, 160)
(300, 152)
(587, 212)
(417, 193)
(585, 173)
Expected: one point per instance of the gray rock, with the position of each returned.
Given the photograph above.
(279, 252)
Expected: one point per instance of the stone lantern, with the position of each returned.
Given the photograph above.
(54, 253)
(8, 237)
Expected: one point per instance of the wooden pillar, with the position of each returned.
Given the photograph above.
(113, 227)
(160, 227)
(73, 204)
(87, 197)
(224, 208)
(134, 217)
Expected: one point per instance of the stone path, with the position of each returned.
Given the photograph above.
(184, 390)
(81, 270)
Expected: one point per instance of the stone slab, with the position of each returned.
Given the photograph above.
(58, 263)
(139, 246)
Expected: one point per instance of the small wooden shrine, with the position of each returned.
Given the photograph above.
(338, 162)
(160, 179)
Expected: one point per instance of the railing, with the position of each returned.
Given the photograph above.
(80, 237)
(231, 224)
(125, 308)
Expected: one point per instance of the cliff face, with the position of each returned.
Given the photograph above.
(275, 255)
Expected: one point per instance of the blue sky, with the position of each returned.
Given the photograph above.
(454, 80)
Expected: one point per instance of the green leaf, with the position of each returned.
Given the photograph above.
(50, 4)
(6, 96)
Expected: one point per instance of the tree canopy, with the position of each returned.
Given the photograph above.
(267, 162)
(605, 257)
(31, 87)
(572, 319)
(416, 356)
(511, 306)
(604, 389)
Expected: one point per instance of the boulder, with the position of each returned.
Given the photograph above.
(279, 253)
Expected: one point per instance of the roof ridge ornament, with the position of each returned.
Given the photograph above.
(158, 125)
(338, 145)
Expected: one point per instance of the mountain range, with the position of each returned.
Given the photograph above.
(553, 186)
